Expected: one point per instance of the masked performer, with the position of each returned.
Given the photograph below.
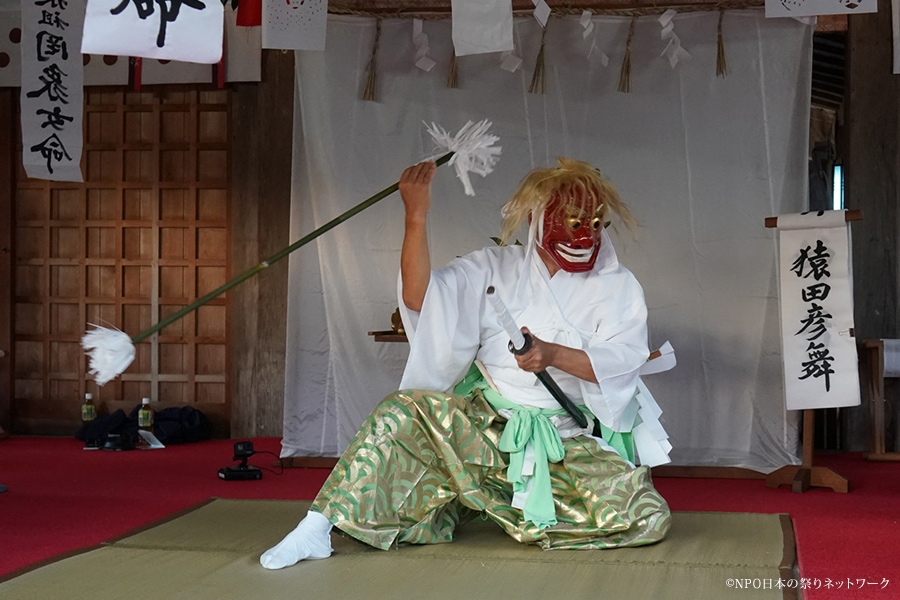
(472, 430)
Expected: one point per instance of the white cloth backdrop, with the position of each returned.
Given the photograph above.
(700, 160)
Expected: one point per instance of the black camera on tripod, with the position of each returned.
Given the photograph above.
(242, 472)
(243, 450)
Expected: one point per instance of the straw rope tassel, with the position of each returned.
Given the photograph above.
(539, 79)
(453, 76)
(371, 70)
(721, 62)
(625, 73)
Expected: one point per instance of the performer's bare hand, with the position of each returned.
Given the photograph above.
(539, 357)
(415, 188)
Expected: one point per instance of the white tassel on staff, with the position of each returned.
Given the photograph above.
(110, 352)
(471, 150)
(473, 147)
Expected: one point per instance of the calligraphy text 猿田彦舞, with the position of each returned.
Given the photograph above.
(813, 262)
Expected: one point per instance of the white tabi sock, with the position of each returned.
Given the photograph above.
(310, 540)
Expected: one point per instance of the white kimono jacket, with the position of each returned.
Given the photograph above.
(601, 312)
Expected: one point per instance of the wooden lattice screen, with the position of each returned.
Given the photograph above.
(146, 234)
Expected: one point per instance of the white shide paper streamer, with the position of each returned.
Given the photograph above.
(673, 51)
(541, 11)
(588, 25)
(420, 41)
(473, 147)
(510, 62)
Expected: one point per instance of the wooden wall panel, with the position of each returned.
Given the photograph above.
(125, 248)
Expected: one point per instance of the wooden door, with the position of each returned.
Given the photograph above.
(145, 234)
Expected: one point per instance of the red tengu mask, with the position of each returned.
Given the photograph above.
(572, 234)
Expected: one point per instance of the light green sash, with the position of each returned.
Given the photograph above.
(525, 425)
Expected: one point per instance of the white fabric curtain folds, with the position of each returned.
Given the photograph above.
(700, 160)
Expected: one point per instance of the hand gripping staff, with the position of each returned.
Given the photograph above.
(520, 343)
(472, 150)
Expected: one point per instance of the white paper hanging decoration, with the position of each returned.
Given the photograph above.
(673, 51)
(482, 26)
(294, 24)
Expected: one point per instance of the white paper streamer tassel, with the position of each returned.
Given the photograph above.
(673, 51)
(586, 22)
(420, 41)
(473, 147)
(509, 61)
(110, 352)
(541, 11)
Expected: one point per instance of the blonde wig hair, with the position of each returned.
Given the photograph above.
(576, 183)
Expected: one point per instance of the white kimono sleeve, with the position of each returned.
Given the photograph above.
(444, 335)
(617, 351)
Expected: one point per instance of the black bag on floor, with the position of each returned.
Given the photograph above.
(96, 432)
(180, 425)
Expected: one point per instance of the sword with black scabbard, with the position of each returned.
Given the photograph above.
(520, 343)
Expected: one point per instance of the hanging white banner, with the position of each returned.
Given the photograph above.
(814, 8)
(294, 24)
(481, 26)
(185, 30)
(51, 94)
(820, 360)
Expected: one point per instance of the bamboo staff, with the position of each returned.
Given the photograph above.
(112, 350)
(278, 256)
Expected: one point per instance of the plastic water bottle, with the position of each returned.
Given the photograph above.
(88, 410)
(145, 416)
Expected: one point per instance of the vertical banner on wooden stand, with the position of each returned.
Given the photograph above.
(51, 94)
(820, 360)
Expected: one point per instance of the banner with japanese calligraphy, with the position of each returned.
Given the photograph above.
(185, 30)
(820, 360)
(51, 94)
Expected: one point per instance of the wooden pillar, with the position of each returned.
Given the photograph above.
(262, 134)
(872, 166)
(7, 279)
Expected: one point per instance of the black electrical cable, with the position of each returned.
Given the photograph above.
(280, 463)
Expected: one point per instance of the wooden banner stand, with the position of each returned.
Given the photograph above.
(803, 476)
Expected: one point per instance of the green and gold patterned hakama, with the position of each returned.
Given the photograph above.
(423, 462)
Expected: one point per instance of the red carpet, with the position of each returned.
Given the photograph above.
(62, 497)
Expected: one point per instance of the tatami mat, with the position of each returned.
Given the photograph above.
(212, 553)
